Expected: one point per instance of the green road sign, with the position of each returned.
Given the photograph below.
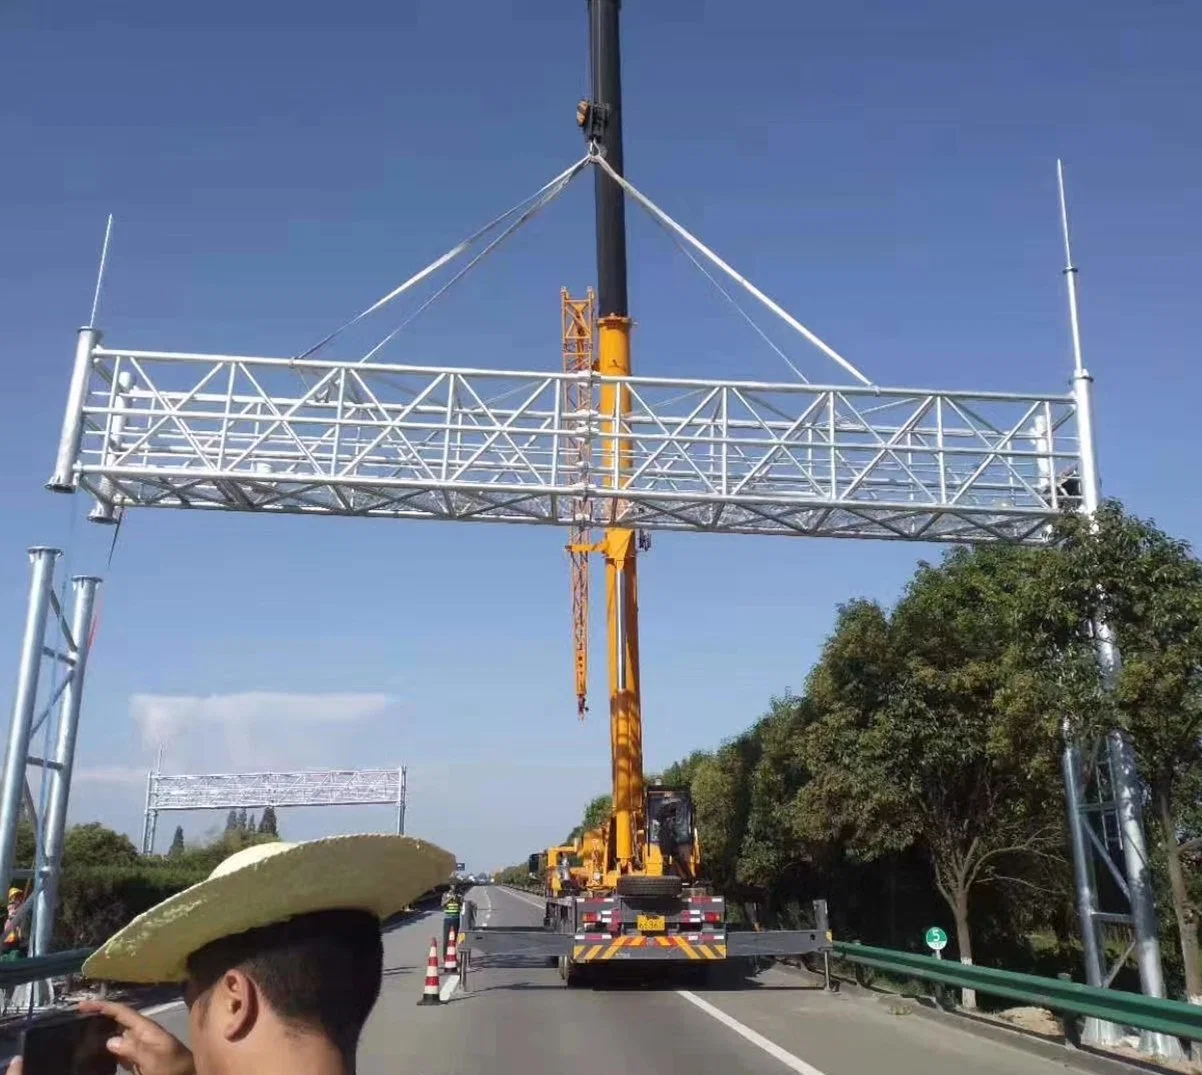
(936, 939)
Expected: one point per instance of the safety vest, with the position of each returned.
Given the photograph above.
(452, 908)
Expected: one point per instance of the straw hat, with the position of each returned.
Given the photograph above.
(268, 883)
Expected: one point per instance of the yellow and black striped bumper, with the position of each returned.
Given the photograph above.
(637, 946)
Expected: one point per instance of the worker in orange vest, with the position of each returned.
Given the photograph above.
(14, 945)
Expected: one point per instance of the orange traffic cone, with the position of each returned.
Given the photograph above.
(430, 989)
(450, 963)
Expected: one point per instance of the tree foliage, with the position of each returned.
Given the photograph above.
(94, 844)
(268, 826)
(106, 882)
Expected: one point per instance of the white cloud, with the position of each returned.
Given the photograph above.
(161, 716)
(257, 730)
(120, 775)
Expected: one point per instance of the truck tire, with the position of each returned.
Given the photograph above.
(654, 887)
(573, 974)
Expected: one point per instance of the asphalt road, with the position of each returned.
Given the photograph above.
(523, 1021)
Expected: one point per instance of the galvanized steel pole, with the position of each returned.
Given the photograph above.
(400, 801)
(28, 672)
(1127, 785)
(58, 773)
(63, 479)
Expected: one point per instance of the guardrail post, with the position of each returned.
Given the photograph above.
(1072, 1030)
(822, 924)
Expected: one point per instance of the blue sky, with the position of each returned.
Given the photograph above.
(886, 171)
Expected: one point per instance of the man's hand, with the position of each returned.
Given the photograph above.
(143, 1046)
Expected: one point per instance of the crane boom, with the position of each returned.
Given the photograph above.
(604, 131)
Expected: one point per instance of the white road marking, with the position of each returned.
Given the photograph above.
(793, 1063)
(158, 1009)
(525, 896)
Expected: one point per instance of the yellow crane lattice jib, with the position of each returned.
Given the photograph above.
(579, 330)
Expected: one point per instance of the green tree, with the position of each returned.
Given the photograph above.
(177, 842)
(680, 773)
(231, 821)
(268, 825)
(242, 825)
(597, 812)
(721, 802)
(770, 857)
(94, 844)
(927, 754)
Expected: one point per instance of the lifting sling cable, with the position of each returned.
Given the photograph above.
(450, 255)
(701, 248)
(544, 199)
(734, 302)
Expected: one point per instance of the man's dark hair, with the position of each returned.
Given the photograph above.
(318, 971)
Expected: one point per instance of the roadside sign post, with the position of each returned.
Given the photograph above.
(936, 941)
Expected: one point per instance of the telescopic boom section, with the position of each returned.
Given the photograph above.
(603, 124)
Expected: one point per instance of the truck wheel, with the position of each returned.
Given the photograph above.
(573, 974)
(634, 884)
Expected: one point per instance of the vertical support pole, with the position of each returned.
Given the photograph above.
(147, 834)
(106, 509)
(400, 803)
(28, 672)
(1127, 787)
(63, 479)
(1096, 1031)
(59, 774)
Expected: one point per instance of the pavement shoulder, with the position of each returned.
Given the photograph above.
(1061, 1051)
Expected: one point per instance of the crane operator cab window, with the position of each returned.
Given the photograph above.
(670, 824)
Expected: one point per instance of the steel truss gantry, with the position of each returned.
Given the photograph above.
(41, 739)
(253, 791)
(307, 435)
(320, 437)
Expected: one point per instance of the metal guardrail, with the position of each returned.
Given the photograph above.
(38, 968)
(1063, 997)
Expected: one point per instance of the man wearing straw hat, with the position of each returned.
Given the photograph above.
(279, 953)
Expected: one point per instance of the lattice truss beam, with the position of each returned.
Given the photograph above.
(224, 791)
(321, 437)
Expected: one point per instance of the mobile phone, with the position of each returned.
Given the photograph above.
(74, 1045)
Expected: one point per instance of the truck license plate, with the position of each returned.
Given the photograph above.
(651, 923)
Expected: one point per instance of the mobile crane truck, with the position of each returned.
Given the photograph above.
(630, 890)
